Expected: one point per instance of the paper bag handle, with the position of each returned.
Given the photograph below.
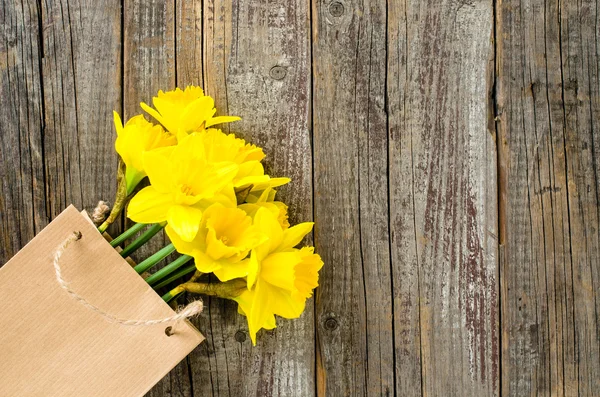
(188, 311)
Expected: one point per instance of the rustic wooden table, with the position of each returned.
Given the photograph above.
(447, 149)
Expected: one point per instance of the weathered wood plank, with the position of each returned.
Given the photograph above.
(189, 37)
(403, 236)
(443, 198)
(548, 109)
(22, 193)
(82, 85)
(149, 66)
(243, 41)
(354, 303)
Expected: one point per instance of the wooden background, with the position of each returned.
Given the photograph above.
(447, 149)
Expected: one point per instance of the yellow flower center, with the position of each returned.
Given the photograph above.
(187, 190)
(229, 234)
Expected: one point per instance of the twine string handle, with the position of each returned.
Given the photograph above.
(188, 311)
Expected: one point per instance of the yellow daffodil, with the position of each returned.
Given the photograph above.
(225, 238)
(266, 199)
(183, 112)
(134, 139)
(183, 183)
(253, 173)
(227, 147)
(280, 277)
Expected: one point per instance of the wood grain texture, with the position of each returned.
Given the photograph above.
(243, 41)
(189, 42)
(354, 310)
(402, 204)
(443, 176)
(82, 85)
(449, 151)
(442, 195)
(548, 113)
(22, 193)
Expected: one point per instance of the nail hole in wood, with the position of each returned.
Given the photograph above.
(169, 331)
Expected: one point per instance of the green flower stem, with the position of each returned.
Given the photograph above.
(183, 272)
(141, 240)
(168, 297)
(127, 234)
(154, 259)
(228, 290)
(196, 276)
(167, 270)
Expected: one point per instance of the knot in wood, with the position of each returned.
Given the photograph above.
(240, 336)
(277, 72)
(336, 9)
(331, 324)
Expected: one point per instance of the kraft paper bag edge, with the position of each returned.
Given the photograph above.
(162, 367)
(85, 214)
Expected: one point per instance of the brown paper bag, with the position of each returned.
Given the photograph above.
(52, 345)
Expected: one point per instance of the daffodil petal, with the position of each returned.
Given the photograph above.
(284, 304)
(118, 123)
(221, 120)
(229, 271)
(293, 235)
(149, 206)
(205, 263)
(259, 313)
(226, 197)
(267, 224)
(194, 248)
(182, 246)
(269, 322)
(272, 182)
(154, 114)
(252, 269)
(275, 182)
(245, 305)
(196, 113)
(159, 169)
(244, 301)
(185, 221)
(278, 269)
(181, 134)
(254, 180)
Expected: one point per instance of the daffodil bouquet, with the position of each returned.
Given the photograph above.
(210, 193)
